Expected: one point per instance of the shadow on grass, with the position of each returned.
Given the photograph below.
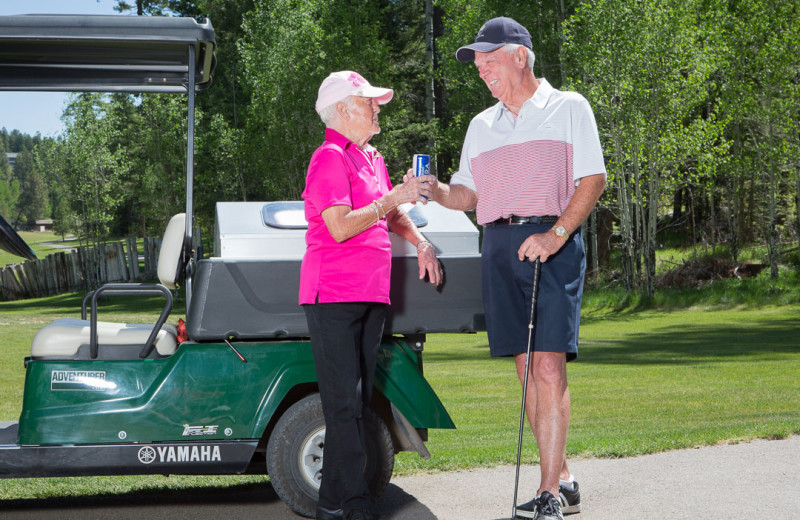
(689, 344)
(684, 344)
(69, 304)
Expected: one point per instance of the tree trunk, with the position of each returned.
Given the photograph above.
(593, 243)
(713, 219)
(733, 199)
(626, 211)
(649, 233)
(562, 15)
(638, 221)
(773, 231)
(430, 86)
(677, 206)
(691, 222)
(797, 210)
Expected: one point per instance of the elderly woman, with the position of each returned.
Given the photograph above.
(345, 274)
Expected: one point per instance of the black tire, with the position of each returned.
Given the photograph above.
(294, 455)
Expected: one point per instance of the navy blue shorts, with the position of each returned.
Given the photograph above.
(507, 286)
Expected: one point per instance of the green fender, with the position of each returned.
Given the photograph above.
(203, 388)
(399, 377)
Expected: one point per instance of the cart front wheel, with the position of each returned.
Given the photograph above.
(295, 455)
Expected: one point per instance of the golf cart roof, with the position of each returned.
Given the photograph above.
(103, 53)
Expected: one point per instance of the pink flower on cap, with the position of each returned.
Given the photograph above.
(356, 79)
(345, 83)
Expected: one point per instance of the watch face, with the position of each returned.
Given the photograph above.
(561, 231)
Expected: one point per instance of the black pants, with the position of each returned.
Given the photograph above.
(345, 338)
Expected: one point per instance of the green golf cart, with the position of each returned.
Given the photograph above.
(236, 392)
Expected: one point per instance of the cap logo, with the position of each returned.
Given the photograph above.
(356, 80)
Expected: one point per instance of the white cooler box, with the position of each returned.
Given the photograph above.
(249, 288)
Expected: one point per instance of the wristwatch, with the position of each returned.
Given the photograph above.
(561, 231)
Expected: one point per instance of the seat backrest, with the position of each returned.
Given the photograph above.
(171, 255)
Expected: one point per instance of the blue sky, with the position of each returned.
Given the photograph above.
(31, 112)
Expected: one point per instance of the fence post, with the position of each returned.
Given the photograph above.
(10, 287)
(85, 267)
(133, 259)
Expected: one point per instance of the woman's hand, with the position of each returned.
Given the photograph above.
(430, 182)
(428, 263)
(412, 190)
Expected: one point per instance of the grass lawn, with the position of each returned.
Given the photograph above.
(645, 381)
(36, 240)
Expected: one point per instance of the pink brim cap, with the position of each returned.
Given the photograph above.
(345, 83)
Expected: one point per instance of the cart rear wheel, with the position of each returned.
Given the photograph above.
(295, 455)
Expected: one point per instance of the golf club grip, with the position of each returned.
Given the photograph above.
(537, 267)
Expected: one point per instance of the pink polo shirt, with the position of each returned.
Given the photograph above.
(358, 269)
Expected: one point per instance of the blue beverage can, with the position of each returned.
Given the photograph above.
(422, 164)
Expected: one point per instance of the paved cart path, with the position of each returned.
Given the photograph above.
(759, 479)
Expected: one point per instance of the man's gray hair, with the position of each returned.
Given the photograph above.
(511, 48)
(329, 114)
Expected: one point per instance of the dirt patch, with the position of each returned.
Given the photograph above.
(702, 271)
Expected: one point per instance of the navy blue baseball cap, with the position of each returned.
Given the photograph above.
(494, 34)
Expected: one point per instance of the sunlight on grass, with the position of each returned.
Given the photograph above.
(648, 379)
(644, 382)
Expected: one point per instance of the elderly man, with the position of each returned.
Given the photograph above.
(345, 275)
(532, 167)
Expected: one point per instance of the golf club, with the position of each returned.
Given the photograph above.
(537, 265)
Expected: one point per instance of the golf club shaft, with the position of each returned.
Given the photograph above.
(531, 326)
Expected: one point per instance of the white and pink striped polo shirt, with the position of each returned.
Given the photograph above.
(531, 164)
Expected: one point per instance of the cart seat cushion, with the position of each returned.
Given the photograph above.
(170, 256)
(65, 336)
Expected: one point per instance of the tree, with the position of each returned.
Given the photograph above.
(9, 187)
(32, 202)
(645, 67)
(289, 47)
(760, 98)
(144, 7)
(94, 162)
(157, 154)
(50, 161)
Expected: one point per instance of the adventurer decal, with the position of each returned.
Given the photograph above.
(79, 380)
(199, 430)
(150, 454)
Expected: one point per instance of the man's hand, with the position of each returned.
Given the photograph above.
(586, 195)
(540, 246)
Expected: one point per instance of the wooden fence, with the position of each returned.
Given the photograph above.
(85, 268)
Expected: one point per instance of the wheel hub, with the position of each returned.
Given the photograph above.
(311, 454)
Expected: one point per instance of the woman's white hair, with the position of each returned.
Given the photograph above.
(511, 48)
(329, 113)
